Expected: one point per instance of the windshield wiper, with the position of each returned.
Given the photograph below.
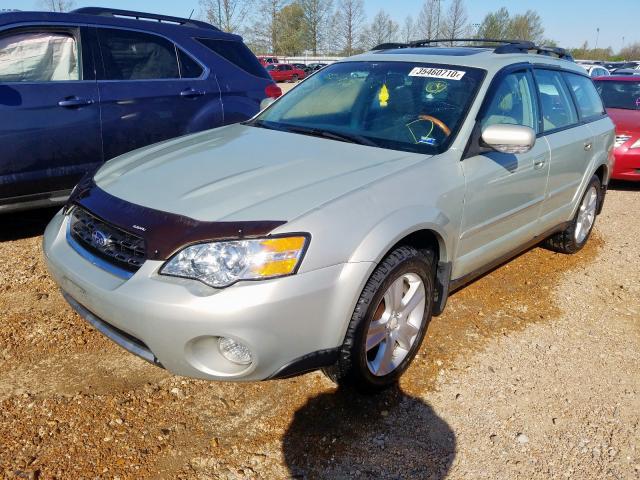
(342, 137)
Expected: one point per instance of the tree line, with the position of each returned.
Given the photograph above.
(294, 27)
(341, 27)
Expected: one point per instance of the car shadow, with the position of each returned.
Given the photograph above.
(624, 186)
(25, 224)
(344, 435)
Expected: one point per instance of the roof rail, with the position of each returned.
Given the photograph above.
(131, 14)
(505, 46)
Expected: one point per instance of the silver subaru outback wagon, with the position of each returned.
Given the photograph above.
(327, 231)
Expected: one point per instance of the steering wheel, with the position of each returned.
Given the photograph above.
(436, 121)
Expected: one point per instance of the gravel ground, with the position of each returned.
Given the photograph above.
(532, 372)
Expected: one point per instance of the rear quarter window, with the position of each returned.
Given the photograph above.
(587, 98)
(236, 53)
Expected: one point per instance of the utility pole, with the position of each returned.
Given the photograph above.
(438, 21)
(597, 37)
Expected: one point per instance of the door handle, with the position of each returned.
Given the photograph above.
(588, 146)
(539, 162)
(74, 102)
(191, 93)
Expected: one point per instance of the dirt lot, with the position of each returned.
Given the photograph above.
(532, 372)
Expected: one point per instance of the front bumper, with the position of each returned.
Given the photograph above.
(627, 164)
(175, 322)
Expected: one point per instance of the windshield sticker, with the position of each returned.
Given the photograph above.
(437, 86)
(428, 141)
(436, 73)
(383, 96)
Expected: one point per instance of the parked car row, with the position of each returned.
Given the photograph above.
(80, 88)
(600, 69)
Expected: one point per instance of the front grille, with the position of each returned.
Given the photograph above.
(110, 243)
(621, 140)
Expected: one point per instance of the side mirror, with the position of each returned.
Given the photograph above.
(266, 102)
(507, 138)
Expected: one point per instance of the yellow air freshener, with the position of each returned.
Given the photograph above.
(383, 96)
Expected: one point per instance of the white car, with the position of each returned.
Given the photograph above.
(595, 70)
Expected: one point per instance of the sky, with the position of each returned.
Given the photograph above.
(568, 22)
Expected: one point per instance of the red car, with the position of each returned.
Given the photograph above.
(267, 60)
(283, 72)
(621, 97)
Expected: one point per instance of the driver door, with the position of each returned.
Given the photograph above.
(504, 192)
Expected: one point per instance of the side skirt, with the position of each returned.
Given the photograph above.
(470, 277)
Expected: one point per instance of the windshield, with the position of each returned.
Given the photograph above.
(624, 95)
(413, 107)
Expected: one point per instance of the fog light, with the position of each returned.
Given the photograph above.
(234, 351)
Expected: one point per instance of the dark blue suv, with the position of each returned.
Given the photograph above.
(79, 88)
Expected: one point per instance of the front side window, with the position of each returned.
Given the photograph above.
(558, 110)
(39, 57)
(406, 106)
(619, 94)
(587, 98)
(513, 103)
(131, 55)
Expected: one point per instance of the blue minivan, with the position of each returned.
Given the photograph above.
(79, 88)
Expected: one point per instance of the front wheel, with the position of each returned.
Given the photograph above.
(294, 78)
(389, 321)
(575, 236)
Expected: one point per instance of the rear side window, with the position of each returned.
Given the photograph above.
(137, 56)
(236, 53)
(587, 98)
(514, 102)
(189, 68)
(39, 57)
(558, 110)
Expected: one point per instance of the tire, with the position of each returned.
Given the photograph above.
(294, 78)
(575, 236)
(395, 332)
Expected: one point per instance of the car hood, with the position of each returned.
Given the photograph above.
(243, 173)
(626, 121)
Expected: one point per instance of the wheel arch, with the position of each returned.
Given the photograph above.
(405, 227)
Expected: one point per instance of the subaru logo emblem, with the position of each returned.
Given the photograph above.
(99, 239)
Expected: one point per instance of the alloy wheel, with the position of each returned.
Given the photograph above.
(396, 323)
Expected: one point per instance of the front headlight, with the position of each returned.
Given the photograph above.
(636, 144)
(220, 264)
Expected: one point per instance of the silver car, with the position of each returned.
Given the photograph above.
(327, 231)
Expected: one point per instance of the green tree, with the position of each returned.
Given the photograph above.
(290, 23)
(526, 26)
(316, 15)
(495, 25)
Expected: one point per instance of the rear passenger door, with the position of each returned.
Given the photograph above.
(49, 113)
(151, 90)
(570, 145)
(504, 192)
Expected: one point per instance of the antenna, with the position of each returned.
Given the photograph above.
(191, 14)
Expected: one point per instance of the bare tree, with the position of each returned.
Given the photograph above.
(229, 15)
(348, 24)
(316, 15)
(382, 30)
(428, 24)
(455, 25)
(631, 52)
(57, 5)
(408, 29)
